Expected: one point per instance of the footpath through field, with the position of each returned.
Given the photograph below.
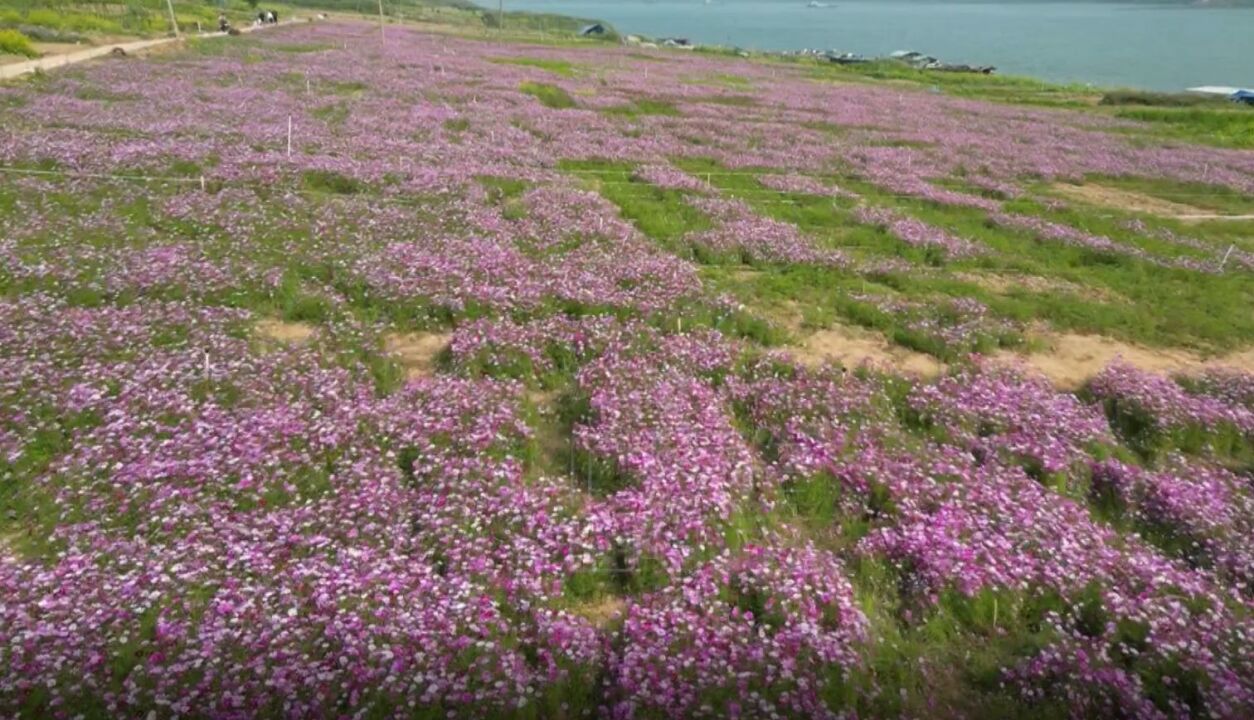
(51, 62)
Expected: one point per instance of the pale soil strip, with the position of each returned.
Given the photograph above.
(852, 347)
(53, 62)
(1068, 363)
(1131, 201)
(417, 352)
(1072, 359)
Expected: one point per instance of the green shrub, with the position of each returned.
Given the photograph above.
(549, 95)
(1157, 99)
(330, 182)
(13, 42)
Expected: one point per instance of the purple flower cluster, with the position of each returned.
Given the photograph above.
(677, 467)
(249, 527)
(804, 185)
(1003, 412)
(1164, 404)
(742, 235)
(599, 265)
(952, 326)
(951, 521)
(669, 177)
(1227, 385)
(917, 233)
(1203, 512)
(760, 634)
(206, 517)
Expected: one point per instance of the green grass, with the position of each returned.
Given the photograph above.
(1217, 198)
(502, 189)
(1231, 126)
(644, 106)
(334, 114)
(327, 181)
(549, 95)
(661, 214)
(997, 88)
(1129, 299)
(13, 42)
(1158, 99)
(1170, 116)
(557, 67)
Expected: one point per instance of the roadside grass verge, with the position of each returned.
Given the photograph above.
(13, 42)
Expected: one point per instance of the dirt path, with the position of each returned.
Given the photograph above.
(52, 62)
(1130, 201)
(417, 352)
(1069, 361)
(1072, 359)
(852, 346)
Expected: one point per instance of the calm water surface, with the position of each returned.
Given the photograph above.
(1133, 44)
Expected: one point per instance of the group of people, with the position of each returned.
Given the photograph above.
(265, 17)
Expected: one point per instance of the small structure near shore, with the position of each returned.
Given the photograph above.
(926, 62)
(1245, 96)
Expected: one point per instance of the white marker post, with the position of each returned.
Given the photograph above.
(173, 23)
(1226, 256)
(289, 135)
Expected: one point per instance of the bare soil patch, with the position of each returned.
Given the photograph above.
(1072, 359)
(1131, 201)
(416, 352)
(1005, 284)
(602, 612)
(853, 346)
(290, 333)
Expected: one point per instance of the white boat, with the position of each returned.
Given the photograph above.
(817, 4)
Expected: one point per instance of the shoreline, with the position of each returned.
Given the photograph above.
(1100, 45)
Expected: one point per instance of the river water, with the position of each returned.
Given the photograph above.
(1125, 44)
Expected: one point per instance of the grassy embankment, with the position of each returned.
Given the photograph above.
(70, 21)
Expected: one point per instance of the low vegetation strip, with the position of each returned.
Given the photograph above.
(420, 375)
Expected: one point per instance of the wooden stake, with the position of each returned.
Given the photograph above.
(382, 36)
(289, 135)
(1226, 256)
(173, 23)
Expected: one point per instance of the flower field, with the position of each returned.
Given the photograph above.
(433, 377)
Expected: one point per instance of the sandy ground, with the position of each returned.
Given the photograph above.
(1130, 201)
(601, 612)
(1068, 360)
(417, 352)
(1072, 359)
(852, 346)
(291, 333)
(53, 49)
(1004, 284)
